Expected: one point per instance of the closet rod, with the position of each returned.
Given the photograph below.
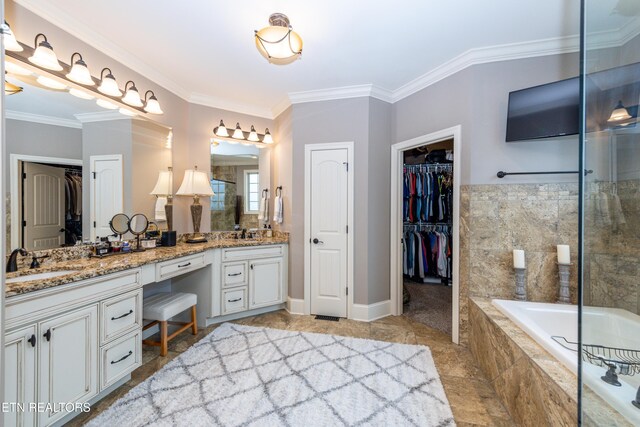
(502, 174)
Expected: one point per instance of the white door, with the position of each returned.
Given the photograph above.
(20, 376)
(43, 206)
(265, 282)
(107, 197)
(68, 360)
(328, 218)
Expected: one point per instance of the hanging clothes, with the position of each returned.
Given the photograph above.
(427, 194)
(427, 253)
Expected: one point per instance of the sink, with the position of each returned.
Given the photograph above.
(40, 276)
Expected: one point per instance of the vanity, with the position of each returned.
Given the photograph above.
(76, 337)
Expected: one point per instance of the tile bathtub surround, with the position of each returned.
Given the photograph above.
(472, 400)
(494, 220)
(535, 388)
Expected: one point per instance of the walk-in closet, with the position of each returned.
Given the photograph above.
(427, 240)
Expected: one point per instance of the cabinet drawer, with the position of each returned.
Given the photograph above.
(176, 267)
(120, 315)
(234, 300)
(234, 274)
(119, 358)
(252, 252)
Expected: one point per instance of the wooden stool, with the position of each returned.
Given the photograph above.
(162, 307)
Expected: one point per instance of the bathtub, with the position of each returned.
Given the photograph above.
(610, 327)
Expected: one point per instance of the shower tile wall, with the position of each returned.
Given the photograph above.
(495, 219)
(612, 252)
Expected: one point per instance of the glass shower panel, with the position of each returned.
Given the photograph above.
(610, 324)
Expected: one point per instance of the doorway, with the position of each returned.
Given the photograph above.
(425, 229)
(328, 285)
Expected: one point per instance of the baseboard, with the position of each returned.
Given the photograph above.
(295, 306)
(371, 312)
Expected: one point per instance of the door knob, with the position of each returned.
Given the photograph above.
(316, 241)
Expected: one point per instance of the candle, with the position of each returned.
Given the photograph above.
(564, 255)
(518, 258)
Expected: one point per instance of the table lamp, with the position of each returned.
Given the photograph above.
(195, 183)
(164, 188)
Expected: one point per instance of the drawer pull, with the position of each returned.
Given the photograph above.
(32, 340)
(47, 334)
(234, 300)
(184, 265)
(113, 362)
(234, 274)
(124, 315)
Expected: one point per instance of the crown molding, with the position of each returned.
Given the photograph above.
(226, 104)
(45, 120)
(344, 92)
(80, 30)
(101, 116)
(281, 106)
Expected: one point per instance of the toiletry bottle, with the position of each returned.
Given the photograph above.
(269, 231)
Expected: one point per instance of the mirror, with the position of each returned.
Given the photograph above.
(240, 173)
(138, 224)
(119, 224)
(98, 162)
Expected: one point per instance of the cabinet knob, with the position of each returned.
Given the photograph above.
(47, 334)
(32, 340)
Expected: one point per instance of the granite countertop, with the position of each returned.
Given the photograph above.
(86, 268)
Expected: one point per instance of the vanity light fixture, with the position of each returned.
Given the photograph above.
(131, 95)
(108, 84)
(80, 94)
(50, 83)
(10, 42)
(619, 113)
(44, 56)
(106, 104)
(221, 130)
(195, 183)
(253, 136)
(237, 133)
(151, 104)
(79, 72)
(11, 89)
(278, 43)
(12, 68)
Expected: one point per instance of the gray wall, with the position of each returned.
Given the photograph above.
(37, 139)
(477, 98)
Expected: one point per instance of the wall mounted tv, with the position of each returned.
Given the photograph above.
(545, 111)
(553, 109)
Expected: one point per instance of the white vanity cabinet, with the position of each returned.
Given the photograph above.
(60, 343)
(252, 277)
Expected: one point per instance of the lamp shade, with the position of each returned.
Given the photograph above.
(267, 139)
(152, 105)
(44, 56)
(108, 84)
(221, 130)
(619, 113)
(164, 186)
(10, 42)
(131, 96)
(195, 183)
(79, 72)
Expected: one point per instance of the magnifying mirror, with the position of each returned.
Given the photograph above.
(138, 224)
(119, 224)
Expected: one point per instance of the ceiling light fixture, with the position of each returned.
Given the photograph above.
(221, 130)
(131, 95)
(12, 68)
(278, 43)
(108, 84)
(79, 72)
(11, 89)
(619, 113)
(44, 56)
(151, 103)
(106, 104)
(10, 42)
(50, 83)
(237, 133)
(80, 94)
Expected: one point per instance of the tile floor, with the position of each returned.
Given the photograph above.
(473, 401)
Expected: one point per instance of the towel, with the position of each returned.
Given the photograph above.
(601, 204)
(277, 210)
(159, 210)
(263, 215)
(617, 216)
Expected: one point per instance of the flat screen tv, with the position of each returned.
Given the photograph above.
(546, 111)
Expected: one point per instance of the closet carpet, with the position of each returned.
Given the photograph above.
(430, 305)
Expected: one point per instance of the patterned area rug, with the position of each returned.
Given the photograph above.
(247, 376)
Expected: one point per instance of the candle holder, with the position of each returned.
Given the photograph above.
(564, 271)
(521, 284)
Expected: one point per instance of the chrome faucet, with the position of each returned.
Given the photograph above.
(12, 263)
